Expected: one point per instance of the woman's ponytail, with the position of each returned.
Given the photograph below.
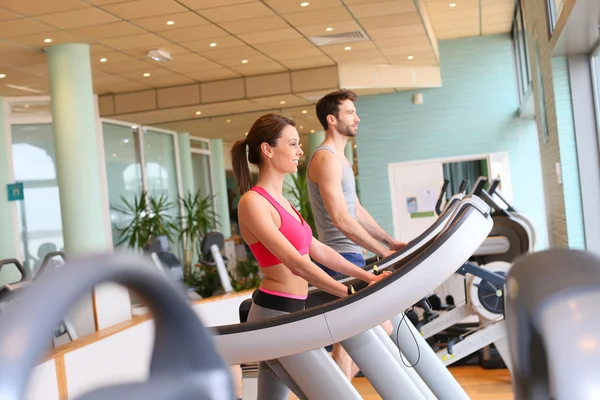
(239, 160)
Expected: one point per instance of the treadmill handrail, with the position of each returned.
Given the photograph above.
(411, 246)
(402, 270)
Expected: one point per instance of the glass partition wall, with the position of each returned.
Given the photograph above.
(138, 159)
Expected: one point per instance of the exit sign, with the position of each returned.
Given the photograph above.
(15, 191)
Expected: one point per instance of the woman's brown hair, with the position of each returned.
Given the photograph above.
(266, 129)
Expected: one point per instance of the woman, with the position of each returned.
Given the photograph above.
(279, 238)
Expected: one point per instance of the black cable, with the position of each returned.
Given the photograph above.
(413, 335)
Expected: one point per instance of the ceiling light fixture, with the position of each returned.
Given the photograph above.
(213, 45)
(304, 4)
(328, 29)
(103, 60)
(146, 74)
(244, 61)
(347, 48)
(410, 57)
(48, 40)
(228, 121)
(282, 102)
(2, 76)
(301, 127)
(452, 5)
(170, 22)
(312, 131)
(159, 55)
(246, 133)
(304, 111)
(198, 112)
(24, 88)
(125, 140)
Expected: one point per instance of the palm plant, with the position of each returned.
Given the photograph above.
(148, 217)
(300, 193)
(199, 219)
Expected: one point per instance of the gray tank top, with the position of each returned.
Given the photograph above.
(327, 232)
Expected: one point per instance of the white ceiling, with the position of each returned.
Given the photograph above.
(271, 35)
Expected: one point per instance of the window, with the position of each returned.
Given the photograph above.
(521, 50)
(34, 163)
(554, 8)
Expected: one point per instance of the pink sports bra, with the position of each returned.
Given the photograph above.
(298, 233)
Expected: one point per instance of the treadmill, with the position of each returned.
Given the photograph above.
(297, 340)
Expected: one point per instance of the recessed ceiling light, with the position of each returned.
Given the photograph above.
(213, 45)
(301, 127)
(114, 154)
(198, 112)
(2, 76)
(347, 48)
(354, 146)
(103, 60)
(282, 102)
(246, 133)
(452, 5)
(304, 111)
(300, 144)
(48, 40)
(329, 29)
(125, 140)
(304, 4)
(244, 61)
(312, 131)
(146, 74)
(228, 121)
(170, 22)
(410, 57)
(26, 106)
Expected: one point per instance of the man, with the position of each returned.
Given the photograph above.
(341, 221)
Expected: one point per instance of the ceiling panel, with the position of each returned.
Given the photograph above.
(270, 23)
(144, 8)
(381, 9)
(208, 45)
(6, 15)
(291, 55)
(171, 21)
(281, 45)
(307, 62)
(259, 69)
(396, 31)
(130, 42)
(236, 12)
(35, 8)
(106, 31)
(211, 74)
(194, 33)
(22, 27)
(78, 18)
(293, 6)
(204, 4)
(314, 17)
(239, 53)
(329, 28)
(58, 37)
(270, 36)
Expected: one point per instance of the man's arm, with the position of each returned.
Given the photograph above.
(368, 222)
(326, 171)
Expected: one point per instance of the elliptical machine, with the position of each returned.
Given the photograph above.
(446, 328)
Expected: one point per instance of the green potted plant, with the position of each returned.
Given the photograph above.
(199, 219)
(146, 217)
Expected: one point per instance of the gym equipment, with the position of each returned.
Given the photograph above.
(9, 292)
(484, 292)
(211, 247)
(184, 363)
(553, 325)
(310, 370)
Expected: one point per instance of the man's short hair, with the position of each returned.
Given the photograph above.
(330, 104)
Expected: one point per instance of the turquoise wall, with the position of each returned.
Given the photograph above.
(474, 112)
(568, 152)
